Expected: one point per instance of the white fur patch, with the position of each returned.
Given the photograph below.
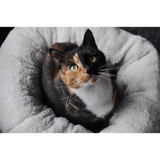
(97, 96)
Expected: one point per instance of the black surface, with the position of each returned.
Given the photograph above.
(3, 33)
(150, 33)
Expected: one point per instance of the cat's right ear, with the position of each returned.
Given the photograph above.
(89, 39)
(57, 56)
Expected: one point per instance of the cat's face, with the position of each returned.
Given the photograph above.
(79, 66)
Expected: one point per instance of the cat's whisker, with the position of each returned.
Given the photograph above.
(113, 69)
(75, 80)
(102, 66)
(113, 82)
(72, 99)
(108, 79)
(103, 69)
(68, 98)
(72, 96)
(76, 83)
(107, 74)
(109, 69)
(103, 74)
(82, 80)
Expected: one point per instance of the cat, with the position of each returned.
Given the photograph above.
(76, 83)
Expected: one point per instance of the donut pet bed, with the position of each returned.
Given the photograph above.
(21, 57)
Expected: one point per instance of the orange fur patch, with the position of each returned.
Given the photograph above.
(77, 78)
(74, 106)
(57, 47)
(48, 57)
(60, 46)
(93, 80)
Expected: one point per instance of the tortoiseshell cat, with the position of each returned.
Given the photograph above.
(76, 83)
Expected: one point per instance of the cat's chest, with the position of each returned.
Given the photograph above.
(97, 98)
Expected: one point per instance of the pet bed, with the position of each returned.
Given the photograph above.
(21, 57)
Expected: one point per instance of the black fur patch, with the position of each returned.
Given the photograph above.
(57, 93)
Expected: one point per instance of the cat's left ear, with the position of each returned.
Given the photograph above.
(57, 56)
(89, 39)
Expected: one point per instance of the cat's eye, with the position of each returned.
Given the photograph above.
(74, 68)
(92, 59)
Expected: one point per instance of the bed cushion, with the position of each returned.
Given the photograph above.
(21, 57)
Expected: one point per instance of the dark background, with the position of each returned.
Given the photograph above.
(151, 33)
(4, 32)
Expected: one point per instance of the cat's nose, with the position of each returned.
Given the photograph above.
(87, 69)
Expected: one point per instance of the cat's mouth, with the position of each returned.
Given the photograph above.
(91, 81)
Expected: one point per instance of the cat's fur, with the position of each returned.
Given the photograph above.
(83, 96)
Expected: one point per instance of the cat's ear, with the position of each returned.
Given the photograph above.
(89, 39)
(57, 56)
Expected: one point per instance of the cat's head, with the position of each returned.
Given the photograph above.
(79, 66)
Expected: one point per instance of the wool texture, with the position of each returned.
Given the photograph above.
(21, 58)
